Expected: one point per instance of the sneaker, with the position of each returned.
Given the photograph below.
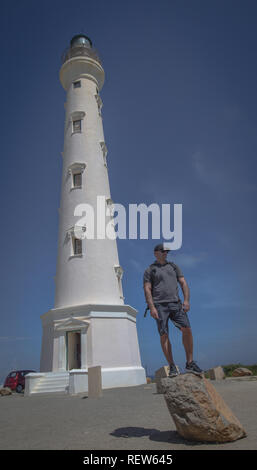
(193, 367)
(173, 371)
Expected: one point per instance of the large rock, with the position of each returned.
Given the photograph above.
(241, 372)
(217, 373)
(161, 374)
(5, 391)
(199, 412)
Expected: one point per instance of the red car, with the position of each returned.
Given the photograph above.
(16, 380)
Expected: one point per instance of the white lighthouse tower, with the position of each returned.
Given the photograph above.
(89, 325)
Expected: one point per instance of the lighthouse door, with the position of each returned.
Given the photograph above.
(73, 350)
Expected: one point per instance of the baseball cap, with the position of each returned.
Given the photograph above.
(161, 246)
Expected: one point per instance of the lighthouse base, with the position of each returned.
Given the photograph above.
(78, 337)
(115, 377)
(76, 381)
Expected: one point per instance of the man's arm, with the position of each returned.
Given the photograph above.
(186, 293)
(149, 299)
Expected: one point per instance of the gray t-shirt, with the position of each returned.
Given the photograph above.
(164, 281)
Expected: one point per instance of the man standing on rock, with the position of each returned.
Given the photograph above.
(161, 292)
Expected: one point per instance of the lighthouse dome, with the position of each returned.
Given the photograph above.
(81, 40)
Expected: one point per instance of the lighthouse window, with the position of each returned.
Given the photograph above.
(119, 273)
(99, 103)
(77, 126)
(77, 84)
(77, 246)
(77, 180)
(104, 150)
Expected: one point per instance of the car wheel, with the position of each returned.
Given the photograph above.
(19, 388)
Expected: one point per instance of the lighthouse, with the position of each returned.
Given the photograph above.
(90, 324)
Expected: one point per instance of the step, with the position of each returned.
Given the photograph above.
(53, 376)
(49, 390)
(52, 383)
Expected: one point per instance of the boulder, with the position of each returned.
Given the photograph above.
(5, 391)
(217, 373)
(241, 372)
(161, 374)
(199, 412)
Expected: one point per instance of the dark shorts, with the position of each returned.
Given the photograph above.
(174, 312)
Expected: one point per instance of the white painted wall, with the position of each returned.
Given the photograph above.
(108, 336)
(90, 278)
(114, 342)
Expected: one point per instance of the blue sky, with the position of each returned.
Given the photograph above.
(180, 120)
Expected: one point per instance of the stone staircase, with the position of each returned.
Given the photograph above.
(52, 382)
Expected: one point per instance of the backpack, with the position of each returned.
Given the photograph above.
(153, 270)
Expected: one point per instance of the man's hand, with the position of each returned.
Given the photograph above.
(154, 313)
(186, 306)
(186, 293)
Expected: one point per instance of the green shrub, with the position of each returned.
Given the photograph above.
(228, 369)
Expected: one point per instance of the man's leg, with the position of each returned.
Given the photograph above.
(166, 347)
(180, 319)
(187, 339)
(162, 323)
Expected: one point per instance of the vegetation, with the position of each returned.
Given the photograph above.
(228, 369)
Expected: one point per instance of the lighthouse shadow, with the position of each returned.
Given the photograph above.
(171, 437)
